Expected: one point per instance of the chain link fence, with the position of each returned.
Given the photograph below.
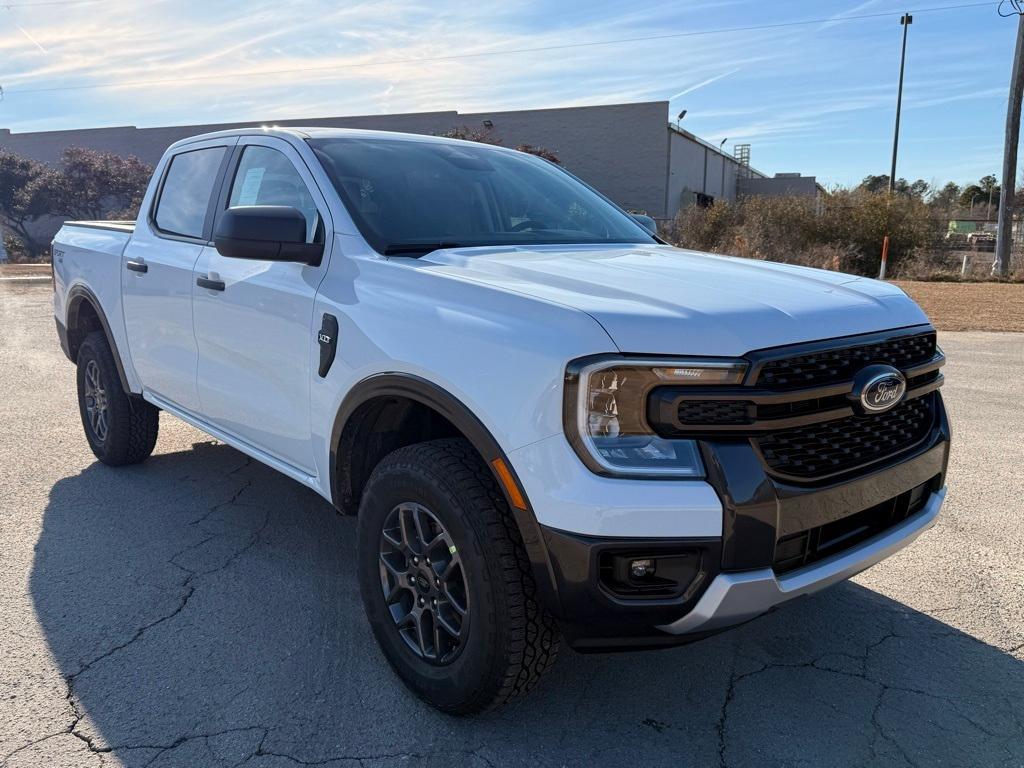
(974, 261)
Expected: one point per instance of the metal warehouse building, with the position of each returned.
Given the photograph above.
(628, 151)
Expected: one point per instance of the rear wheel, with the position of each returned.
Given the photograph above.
(446, 582)
(121, 428)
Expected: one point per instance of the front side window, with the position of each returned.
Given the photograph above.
(185, 196)
(411, 197)
(267, 177)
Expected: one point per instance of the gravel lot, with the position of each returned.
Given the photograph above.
(202, 610)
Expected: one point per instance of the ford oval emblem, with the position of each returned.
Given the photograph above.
(878, 388)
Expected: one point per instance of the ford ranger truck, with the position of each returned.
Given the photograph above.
(551, 426)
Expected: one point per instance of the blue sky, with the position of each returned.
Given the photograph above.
(816, 98)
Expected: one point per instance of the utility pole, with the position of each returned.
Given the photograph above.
(721, 151)
(1004, 236)
(905, 20)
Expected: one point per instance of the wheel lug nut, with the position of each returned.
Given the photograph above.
(437, 582)
(415, 561)
(422, 601)
(435, 602)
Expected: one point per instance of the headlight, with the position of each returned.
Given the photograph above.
(606, 413)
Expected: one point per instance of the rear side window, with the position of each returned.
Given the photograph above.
(185, 196)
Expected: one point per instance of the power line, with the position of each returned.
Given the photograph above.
(8, 6)
(505, 52)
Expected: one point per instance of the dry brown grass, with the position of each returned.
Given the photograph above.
(970, 306)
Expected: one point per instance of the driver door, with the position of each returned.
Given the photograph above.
(254, 319)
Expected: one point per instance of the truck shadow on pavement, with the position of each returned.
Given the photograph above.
(204, 611)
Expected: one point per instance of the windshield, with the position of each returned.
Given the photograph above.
(412, 197)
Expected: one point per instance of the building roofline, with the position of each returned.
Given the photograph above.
(708, 145)
(451, 114)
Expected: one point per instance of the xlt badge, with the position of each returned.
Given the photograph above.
(328, 338)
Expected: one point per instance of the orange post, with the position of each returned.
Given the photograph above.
(885, 257)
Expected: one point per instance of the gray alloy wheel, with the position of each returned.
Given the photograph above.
(96, 401)
(424, 583)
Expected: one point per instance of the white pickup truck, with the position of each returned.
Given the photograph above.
(551, 425)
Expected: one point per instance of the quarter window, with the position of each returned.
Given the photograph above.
(267, 177)
(185, 196)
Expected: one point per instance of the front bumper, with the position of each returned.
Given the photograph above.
(740, 574)
(733, 598)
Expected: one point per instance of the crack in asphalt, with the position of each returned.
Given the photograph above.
(186, 595)
(884, 689)
(234, 497)
(164, 748)
(723, 713)
(362, 759)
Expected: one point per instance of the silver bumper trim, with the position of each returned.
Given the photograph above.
(733, 598)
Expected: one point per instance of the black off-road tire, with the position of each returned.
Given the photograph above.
(511, 640)
(131, 423)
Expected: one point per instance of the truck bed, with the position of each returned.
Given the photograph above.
(87, 259)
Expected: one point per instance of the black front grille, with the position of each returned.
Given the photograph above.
(805, 547)
(699, 412)
(836, 365)
(833, 447)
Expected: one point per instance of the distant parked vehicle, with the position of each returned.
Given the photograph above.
(551, 424)
(981, 241)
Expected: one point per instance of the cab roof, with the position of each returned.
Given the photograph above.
(300, 133)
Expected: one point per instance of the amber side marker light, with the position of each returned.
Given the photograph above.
(511, 487)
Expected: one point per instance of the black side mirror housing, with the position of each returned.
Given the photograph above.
(266, 232)
(646, 222)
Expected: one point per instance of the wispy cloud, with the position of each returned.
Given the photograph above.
(787, 90)
(703, 83)
(30, 38)
(855, 10)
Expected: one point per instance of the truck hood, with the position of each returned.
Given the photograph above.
(663, 300)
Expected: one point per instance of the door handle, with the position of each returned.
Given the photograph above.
(213, 285)
(137, 266)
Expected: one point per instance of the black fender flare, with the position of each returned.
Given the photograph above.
(76, 296)
(455, 411)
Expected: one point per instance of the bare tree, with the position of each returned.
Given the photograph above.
(487, 136)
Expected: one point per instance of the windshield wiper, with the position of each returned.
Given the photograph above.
(420, 248)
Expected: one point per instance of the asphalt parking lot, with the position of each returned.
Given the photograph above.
(202, 610)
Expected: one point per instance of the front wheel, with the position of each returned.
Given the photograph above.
(446, 582)
(121, 429)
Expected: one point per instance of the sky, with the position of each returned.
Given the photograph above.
(817, 98)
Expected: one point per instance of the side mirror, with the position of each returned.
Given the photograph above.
(266, 232)
(646, 222)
